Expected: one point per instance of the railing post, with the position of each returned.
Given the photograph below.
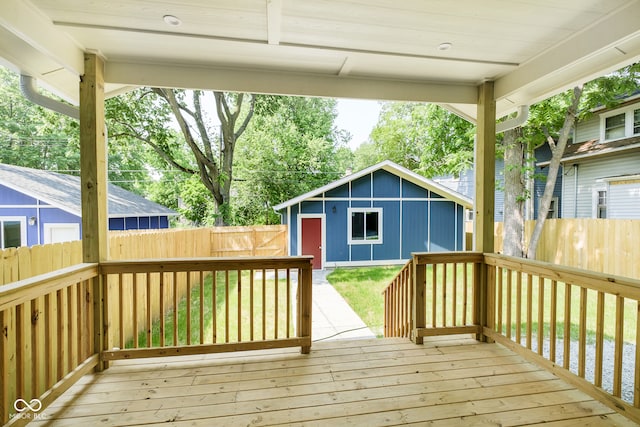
(418, 303)
(305, 306)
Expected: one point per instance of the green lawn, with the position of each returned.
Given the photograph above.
(239, 317)
(362, 289)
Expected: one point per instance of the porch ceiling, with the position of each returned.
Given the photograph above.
(377, 49)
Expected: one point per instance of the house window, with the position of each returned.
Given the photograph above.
(621, 124)
(601, 204)
(12, 232)
(365, 225)
(553, 209)
(614, 127)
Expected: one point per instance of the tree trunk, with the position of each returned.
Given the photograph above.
(514, 193)
(557, 150)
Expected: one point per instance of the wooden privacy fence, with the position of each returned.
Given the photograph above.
(269, 240)
(603, 245)
(581, 325)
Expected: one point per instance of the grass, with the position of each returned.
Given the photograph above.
(238, 327)
(362, 289)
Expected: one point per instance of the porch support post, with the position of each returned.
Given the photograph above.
(93, 178)
(485, 157)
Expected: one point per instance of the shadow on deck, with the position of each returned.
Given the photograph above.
(391, 381)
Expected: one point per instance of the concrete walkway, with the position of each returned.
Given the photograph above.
(332, 318)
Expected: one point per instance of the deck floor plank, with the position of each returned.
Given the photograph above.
(446, 381)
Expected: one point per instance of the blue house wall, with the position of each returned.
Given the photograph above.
(414, 219)
(19, 205)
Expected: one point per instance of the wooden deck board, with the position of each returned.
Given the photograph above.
(360, 382)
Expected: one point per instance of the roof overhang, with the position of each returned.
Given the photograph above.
(381, 50)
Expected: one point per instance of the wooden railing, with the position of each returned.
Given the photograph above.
(398, 295)
(57, 327)
(209, 305)
(47, 338)
(582, 326)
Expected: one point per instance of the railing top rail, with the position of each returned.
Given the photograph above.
(27, 289)
(204, 263)
(447, 257)
(608, 283)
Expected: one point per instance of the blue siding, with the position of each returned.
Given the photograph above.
(460, 230)
(390, 247)
(410, 190)
(360, 204)
(116, 224)
(442, 227)
(414, 227)
(385, 184)
(360, 252)
(336, 232)
(12, 197)
(342, 191)
(312, 207)
(361, 187)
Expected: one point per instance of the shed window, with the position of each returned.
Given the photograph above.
(601, 208)
(636, 121)
(365, 225)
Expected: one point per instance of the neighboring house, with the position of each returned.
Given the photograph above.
(601, 173)
(38, 207)
(379, 215)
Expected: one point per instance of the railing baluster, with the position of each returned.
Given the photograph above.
(121, 311)
(239, 288)
(251, 302)
(444, 294)
(288, 303)
(214, 306)
(519, 307)
(553, 313)
(188, 278)
(134, 310)
(201, 297)
(149, 316)
(276, 316)
(541, 285)
(264, 304)
(529, 309)
(509, 302)
(500, 307)
(226, 306)
(597, 378)
(162, 309)
(582, 340)
(51, 337)
(434, 295)
(636, 390)
(567, 326)
(465, 292)
(174, 289)
(454, 296)
(617, 364)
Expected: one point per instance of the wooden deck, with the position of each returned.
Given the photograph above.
(446, 381)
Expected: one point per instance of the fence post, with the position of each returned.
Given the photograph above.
(305, 305)
(418, 303)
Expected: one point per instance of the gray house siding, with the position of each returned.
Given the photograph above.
(583, 180)
(588, 129)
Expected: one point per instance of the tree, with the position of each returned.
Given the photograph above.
(147, 114)
(291, 147)
(551, 122)
(422, 137)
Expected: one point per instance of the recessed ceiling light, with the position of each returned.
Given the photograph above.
(171, 20)
(445, 46)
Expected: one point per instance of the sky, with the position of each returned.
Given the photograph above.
(358, 117)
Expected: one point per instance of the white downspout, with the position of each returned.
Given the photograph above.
(28, 88)
(521, 118)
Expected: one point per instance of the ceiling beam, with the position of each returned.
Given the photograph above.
(609, 44)
(274, 21)
(20, 18)
(286, 83)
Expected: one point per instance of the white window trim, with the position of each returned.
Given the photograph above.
(628, 122)
(378, 241)
(23, 229)
(594, 197)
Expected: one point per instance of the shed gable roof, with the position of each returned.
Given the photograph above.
(63, 191)
(393, 168)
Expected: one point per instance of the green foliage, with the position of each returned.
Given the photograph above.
(422, 137)
(290, 147)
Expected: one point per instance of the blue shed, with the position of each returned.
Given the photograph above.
(377, 216)
(38, 207)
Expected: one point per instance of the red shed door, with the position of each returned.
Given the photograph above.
(312, 240)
